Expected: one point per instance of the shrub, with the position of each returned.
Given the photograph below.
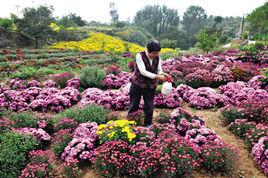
(163, 117)
(119, 165)
(24, 119)
(62, 78)
(217, 159)
(230, 114)
(60, 141)
(136, 116)
(113, 69)
(241, 126)
(259, 152)
(92, 77)
(117, 130)
(172, 156)
(90, 113)
(13, 152)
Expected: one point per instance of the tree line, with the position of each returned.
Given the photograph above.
(155, 21)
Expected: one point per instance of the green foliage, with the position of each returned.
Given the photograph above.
(218, 160)
(35, 23)
(59, 146)
(24, 119)
(71, 20)
(230, 114)
(166, 43)
(90, 113)
(258, 20)
(207, 40)
(157, 19)
(25, 73)
(6, 23)
(163, 117)
(92, 77)
(62, 78)
(193, 20)
(14, 148)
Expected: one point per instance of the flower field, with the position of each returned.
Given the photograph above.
(75, 120)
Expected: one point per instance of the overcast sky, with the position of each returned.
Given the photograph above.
(98, 10)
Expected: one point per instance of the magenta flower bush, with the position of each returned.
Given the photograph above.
(35, 170)
(260, 153)
(66, 123)
(171, 100)
(255, 82)
(74, 83)
(184, 121)
(221, 75)
(253, 135)
(39, 134)
(178, 156)
(206, 97)
(217, 159)
(82, 145)
(5, 124)
(199, 78)
(203, 136)
(49, 84)
(146, 160)
(144, 134)
(113, 159)
(114, 81)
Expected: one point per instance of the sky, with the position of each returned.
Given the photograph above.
(98, 10)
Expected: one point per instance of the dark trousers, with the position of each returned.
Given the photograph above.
(148, 96)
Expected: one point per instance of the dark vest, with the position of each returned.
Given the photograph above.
(142, 81)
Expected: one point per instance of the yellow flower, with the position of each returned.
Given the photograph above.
(101, 126)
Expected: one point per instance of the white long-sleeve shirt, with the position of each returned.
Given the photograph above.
(142, 68)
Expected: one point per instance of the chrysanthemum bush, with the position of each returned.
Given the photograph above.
(184, 121)
(171, 100)
(221, 75)
(206, 97)
(40, 99)
(116, 80)
(178, 156)
(40, 165)
(136, 116)
(260, 153)
(218, 158)
(112, 158)
(81, 147)
(199, 78)
(241, 126)
(203, 136)
(254, 134)
(60, 140)
(62, 78)
(117, 130)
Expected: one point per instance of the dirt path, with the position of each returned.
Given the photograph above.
(245, 166)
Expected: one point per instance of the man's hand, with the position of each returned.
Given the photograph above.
(160, 77)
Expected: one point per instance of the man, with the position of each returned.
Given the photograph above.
(147, 71)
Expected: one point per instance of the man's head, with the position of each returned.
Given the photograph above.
(153, 48)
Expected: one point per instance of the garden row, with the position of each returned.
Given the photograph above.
(176, 145)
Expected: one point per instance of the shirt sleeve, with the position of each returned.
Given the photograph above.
(159, 67)
(142, 69)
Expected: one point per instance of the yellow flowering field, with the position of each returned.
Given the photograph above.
(101, 42)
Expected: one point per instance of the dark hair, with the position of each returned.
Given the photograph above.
(153, 46)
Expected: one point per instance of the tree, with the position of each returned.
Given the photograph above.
(113, 12)
(156, 19)
(71, 20)
(6, 23)
(207, 39)
(35, 23)
(193, 20)
(258, 20)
